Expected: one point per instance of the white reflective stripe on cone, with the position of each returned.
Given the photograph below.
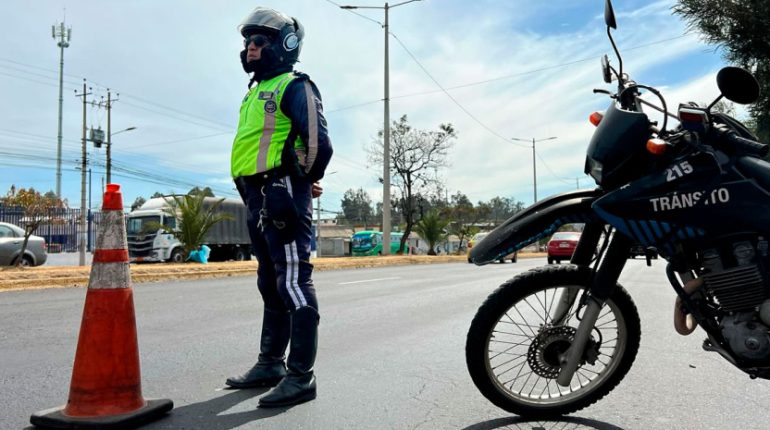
(110, 276)
(112, 231)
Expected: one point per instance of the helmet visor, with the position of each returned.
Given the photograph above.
(264, 19)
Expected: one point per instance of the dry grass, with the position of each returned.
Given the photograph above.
(75, 276)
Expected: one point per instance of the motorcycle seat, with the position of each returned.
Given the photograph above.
(755, 168)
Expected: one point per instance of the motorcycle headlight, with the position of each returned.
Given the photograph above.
(595, 170)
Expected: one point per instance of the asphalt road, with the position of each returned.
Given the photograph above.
(391, 356)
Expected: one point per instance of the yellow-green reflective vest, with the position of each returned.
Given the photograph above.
(262, 128)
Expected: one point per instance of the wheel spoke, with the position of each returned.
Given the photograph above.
(605, 323)
(517, 375)
(545, 320)
(509, 369)
(522, 317)
(511, 343)
(544, 305)
(528, 375)
(524, 344)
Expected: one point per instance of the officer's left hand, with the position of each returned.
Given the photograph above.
(317, 190)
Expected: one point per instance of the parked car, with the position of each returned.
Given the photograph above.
(477, 238)
(644, 251)
(562, 245)
(11, 239)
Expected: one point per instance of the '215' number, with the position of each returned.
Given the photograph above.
(678, 170)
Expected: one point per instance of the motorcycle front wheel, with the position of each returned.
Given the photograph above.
(516, 339)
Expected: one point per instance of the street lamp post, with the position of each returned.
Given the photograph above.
(109, 149)
(534, 165)
(318, 223)
(385, 130)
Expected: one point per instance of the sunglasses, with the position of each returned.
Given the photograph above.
(259, 40)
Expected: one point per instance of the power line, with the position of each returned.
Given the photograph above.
(177, 141)
(529, 72)
(354, 106)
(551, 171)
(504, 77)
(27, 72)
(31, 80)
(26, 137)
(175, 117)
(356, 13)
(105, 87)
(129, 170)
(30, 66)
(226, 126)
(467, 112)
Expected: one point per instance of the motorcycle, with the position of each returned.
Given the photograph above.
(556, 339)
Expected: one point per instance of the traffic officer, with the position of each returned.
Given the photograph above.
(279, 153)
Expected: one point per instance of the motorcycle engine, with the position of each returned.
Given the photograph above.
(734, 275)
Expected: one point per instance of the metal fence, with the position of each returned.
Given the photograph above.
(60, 228)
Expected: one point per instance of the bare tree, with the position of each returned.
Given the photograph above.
(414, 155)
(37, 208)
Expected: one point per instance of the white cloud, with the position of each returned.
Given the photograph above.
(184, 55)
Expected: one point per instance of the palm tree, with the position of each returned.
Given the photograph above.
(432, 228)
(195, 214)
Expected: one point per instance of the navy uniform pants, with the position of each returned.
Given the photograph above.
(281, 244)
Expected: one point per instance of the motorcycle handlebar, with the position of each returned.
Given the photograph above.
(742, 144)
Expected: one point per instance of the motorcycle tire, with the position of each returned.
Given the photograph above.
(498, 347)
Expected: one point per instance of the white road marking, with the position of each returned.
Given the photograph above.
(369, 280)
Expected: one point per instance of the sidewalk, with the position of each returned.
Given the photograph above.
(67, 259)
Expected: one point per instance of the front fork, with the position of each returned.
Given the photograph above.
(583, 256)
(602, 285)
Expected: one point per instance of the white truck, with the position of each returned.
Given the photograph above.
(228, 239)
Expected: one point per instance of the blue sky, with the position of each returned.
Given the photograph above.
(524, 69)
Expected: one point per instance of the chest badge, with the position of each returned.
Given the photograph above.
(266, 95)
(270, 106)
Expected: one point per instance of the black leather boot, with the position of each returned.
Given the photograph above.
(299, 384)
(270, 367)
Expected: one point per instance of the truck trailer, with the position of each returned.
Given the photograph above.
(228, 239)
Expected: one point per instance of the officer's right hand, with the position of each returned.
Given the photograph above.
(316, 190)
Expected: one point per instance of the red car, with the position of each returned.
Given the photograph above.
(562, 245)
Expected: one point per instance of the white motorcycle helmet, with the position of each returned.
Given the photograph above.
(285, 34)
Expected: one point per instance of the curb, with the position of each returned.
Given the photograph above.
(35, 278)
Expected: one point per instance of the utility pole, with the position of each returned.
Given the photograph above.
(385, 131)
(108, 106)
(534, 165)
(83, 164)
(64, 36)
(109, 135)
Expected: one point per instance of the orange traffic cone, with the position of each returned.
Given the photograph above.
(106, 389)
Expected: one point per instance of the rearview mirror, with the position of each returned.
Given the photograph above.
(606, 72)
(609, 15)
(738, 85)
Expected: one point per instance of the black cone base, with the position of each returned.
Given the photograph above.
(55, 419)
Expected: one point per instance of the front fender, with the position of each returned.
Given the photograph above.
(536, 222)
